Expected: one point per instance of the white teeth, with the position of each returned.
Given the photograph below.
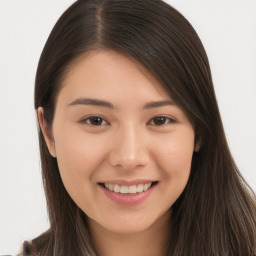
(146, 187)
(140, 188)
(133, 189)
(124, 189)
(110, 186)
(116, 188)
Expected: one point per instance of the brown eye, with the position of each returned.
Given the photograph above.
(94, 121)
(161, 120)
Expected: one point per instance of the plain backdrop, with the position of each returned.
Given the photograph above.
(227, 29)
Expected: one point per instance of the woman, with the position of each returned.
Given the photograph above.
(134, 156)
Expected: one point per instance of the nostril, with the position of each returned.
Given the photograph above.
(128, 161)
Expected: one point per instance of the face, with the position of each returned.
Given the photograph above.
(123, 147)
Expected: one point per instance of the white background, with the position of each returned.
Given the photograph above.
(228, 31)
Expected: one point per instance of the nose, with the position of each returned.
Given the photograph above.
(129, 150)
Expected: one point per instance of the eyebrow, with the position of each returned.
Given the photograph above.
(102, 103)
(156, 104)
(94, 102)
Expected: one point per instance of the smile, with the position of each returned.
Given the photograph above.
(128, 194)
(133, 189)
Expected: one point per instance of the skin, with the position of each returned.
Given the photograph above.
(128, 144)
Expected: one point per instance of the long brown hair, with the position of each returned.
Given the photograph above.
(216, 213)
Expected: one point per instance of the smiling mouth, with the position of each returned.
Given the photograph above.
(132, 189)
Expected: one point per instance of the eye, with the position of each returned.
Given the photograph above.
(94, 121)
(161, 121)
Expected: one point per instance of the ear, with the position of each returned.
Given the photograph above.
(47, 132)
(197, 145)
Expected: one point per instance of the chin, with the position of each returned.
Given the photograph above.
(128, 229)
(126, 226)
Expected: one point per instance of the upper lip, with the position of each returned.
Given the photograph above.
(129, 182)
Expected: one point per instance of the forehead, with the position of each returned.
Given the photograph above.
(108, 73)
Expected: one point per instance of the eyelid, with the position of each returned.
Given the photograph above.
(86, 118)
(172, 120)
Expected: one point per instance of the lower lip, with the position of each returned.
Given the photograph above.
(128, 199)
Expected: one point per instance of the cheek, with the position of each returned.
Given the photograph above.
(176, 166)
(174, 161)
(78, 151)
(177, 151)
(79, 157)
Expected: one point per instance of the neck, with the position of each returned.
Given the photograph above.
(150, 242)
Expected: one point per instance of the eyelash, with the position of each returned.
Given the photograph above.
(167, 120)
(89, 120)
